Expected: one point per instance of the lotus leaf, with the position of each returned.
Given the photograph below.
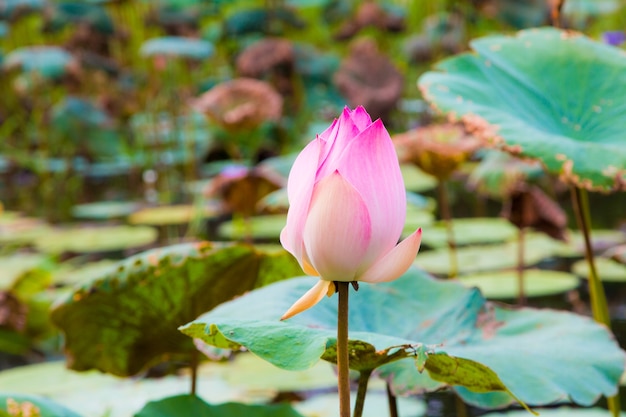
(376, 405)
(93, 15)
(537, 283)
(558, 412)
(490, 257)
(104, 210)
(178, 46)
(608, 269)
(95, 239)
(169, 215)
(516, 92)
(49, 61)
(46, 407)
(469, 231)
(93, 393)
(423, 321)
(9, 7)
(127, 320)
(190, 405)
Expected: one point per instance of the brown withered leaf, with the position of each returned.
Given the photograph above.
(241, 188)
(368, 78)
(12, 312)
(265, 56)
(530, 206)
(436, 149)
(240, 104)
(370, 14)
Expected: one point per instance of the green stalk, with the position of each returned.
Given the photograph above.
(194, 370)
(343, 369)
(599, 305)
(446, 216)
(393, 402)
(364, 378)
(521, 295)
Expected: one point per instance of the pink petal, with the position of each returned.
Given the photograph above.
(370, 164)
(309, 299)
(344, 133)
(361, 118)
(300, 190)
(338, 229)
(395, 262)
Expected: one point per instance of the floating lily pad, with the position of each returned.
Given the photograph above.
(417, 309)
(416, 218)
(14, 266)
(96, 239)
(82, 274)
(104, 210)
(576, 133)
(537, 283)
(601, 240)
(21, 230)
(94, 394)
(376, 405)
(178, 46)
(46, 407)
(191, 405)
(127, 319)
(170, 215)
(259, 227)
(49, 61)
(469, 231)
(490, 257)
(417, 180)
(608, 269)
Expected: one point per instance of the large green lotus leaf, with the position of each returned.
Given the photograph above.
(178, 46)
(477, 258)
(537, 283)
(46, 407)
(469, 231)
(534, 352)
(547, 94)
(96, 239)
(190, 405)
(127, 319)
(424, 320)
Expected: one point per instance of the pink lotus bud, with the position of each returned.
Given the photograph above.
(347, 208)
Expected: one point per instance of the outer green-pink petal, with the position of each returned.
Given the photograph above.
(370, 164)
(396, 262)
(338, 229)
(300, 191)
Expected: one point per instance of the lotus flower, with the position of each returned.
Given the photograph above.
(347, 208)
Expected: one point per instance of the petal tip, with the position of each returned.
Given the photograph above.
(308, 300)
